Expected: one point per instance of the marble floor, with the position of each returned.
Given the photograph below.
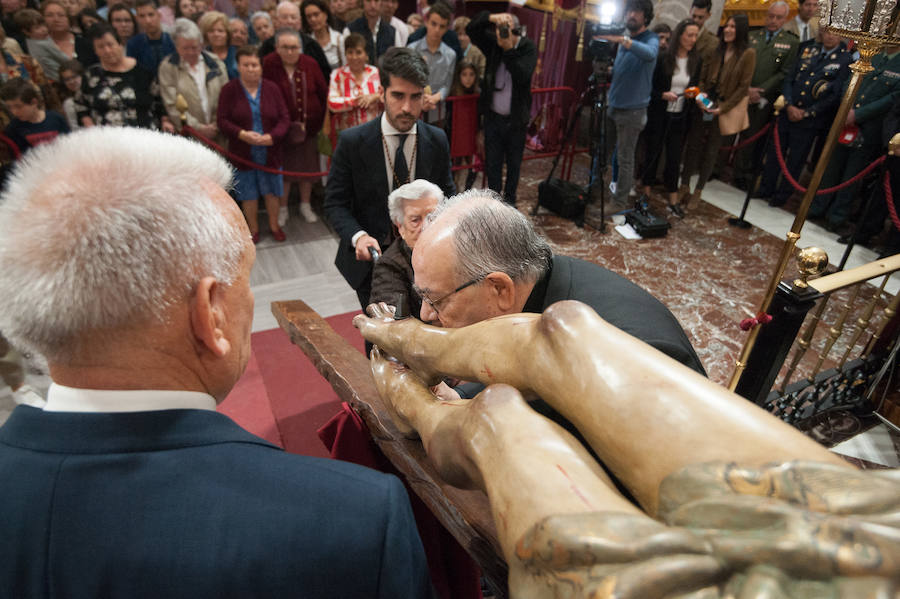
(711, 275)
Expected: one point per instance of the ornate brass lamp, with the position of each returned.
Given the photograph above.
(873, 24)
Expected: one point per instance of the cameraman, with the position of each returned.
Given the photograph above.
(505, 102)
(629, 93)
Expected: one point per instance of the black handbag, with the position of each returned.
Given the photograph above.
(563, 198)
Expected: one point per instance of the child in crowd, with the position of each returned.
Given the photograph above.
(462, 121)
(354, 93)
(31, 125)
(70, 77)
(38, 42)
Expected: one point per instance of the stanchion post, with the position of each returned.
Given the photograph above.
(751, 189)
(870, 35)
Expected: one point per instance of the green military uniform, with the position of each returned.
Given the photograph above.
(707, 47)
(774, 61)
(878, 92)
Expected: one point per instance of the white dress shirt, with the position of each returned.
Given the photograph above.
(392, 140)
(69, 399)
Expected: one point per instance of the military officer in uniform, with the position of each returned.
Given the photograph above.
(878, 92)
(811, 94)
(776, 51)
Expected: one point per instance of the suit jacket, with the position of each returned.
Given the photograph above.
(357, 190)
(520, 62)
(813, 24)
(385, 39)
(617, 301)
(707, 47)
(732, 79)
(774, 61)
(186, 504)
(392, 279)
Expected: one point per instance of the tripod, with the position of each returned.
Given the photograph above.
(596, 94)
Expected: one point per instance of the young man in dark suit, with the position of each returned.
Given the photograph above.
(373, 159)
(128, 483)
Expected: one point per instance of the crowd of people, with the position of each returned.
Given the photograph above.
(686, 104)
(274, 84)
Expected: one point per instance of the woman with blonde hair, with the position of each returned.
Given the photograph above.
(214, 26)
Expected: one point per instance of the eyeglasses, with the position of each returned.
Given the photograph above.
(433, 304)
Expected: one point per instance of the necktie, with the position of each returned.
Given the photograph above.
(804, 35)
(768, 36)
(401, 169)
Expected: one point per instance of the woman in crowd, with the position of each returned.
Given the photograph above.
(70, 75)
(677, 69)
(238, 32)
(462, 122)
(253, 116)
(305, 92)
(179, 73)
(15, 63)
(123, 21)
(85, 18)
(730, 80)
(60, 28)
(354, 94)
(186, 9)
(214, 25)
(316, 17)
(167, 14)
(261, 21)
(72, 7)
(38, 42)
(117, 91)
(392, 276)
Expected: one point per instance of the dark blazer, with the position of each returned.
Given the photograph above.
(520, 62)
(233, 115)
(357, 190)
(310, 47)
(186, 504)
(617, 301)
(384, 41)
(662, 82)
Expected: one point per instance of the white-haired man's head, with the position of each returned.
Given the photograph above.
(477, 257)
(410, 204)
(111, 229)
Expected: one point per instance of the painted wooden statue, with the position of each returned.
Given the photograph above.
(731, 502)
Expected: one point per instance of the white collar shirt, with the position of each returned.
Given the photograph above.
(61, 398)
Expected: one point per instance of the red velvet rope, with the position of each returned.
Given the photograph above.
(889, 200)
(237, 160)
(801, 189)
(761, 318)
(748, 141)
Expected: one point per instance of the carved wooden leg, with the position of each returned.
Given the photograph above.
(644, 414)
(497, 443)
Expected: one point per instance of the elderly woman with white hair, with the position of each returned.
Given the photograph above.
(195, 74)
(392, 277)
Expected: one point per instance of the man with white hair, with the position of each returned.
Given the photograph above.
(287, 16)
(128, 483)
(479, 257)
(392, 276)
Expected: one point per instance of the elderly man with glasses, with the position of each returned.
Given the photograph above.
(478, 257)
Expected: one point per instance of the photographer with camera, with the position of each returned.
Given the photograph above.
(505, 102)
(629, 93)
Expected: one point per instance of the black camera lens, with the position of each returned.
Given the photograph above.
(504, 31)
